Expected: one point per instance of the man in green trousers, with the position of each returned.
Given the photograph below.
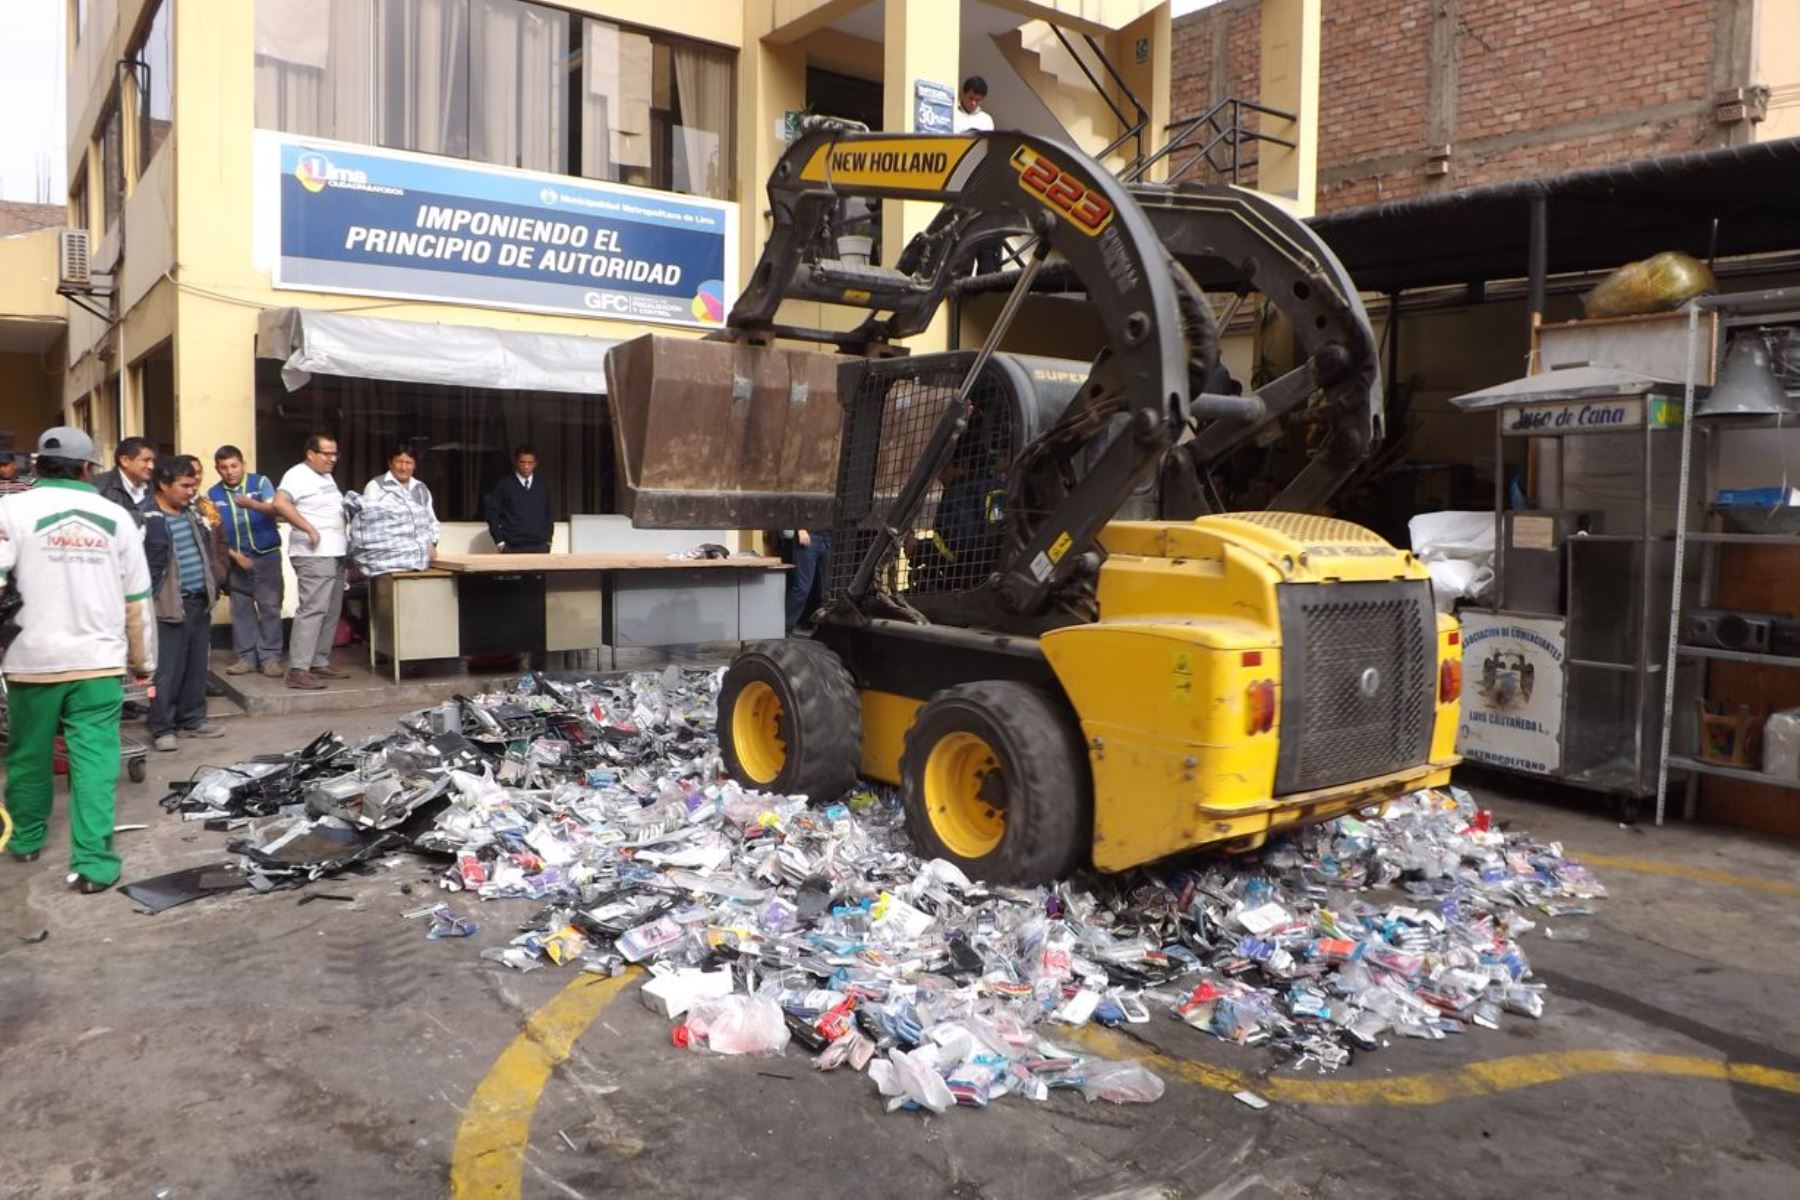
(77, 562)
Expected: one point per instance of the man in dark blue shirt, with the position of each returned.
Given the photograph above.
(518, 508)
(246, 504)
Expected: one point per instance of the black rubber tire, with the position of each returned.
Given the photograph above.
(821, 718)
(1049, 788)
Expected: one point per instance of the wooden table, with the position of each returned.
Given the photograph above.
(512, 563)
(589, 601)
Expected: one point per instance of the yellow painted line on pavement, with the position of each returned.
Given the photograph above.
(1458, 1083)
(1657, 866)
(489, 1158)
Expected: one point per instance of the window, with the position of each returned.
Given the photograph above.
(463, 436)
(112, 168)
(315, 65)
(155, 84)
(509, 82)
(78, 203)
(422, 75)
(518, 76)
(656, 111)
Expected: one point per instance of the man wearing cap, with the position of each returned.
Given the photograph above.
(77, 562)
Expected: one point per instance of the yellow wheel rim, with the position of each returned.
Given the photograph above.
(756, 732)
(965, 795)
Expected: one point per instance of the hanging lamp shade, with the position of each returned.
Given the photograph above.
(1747, 386)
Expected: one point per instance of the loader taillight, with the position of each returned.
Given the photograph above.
(1449, 681)
(1259, 706)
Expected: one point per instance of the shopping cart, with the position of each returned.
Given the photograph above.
(135, 754)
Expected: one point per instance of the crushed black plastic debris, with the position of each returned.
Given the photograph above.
(180, 887)
(32, 939)
(766, 920)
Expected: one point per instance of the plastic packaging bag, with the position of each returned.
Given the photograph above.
(1657, 284)
(1121, 1082)
(737, 1025)
(1457, 548)
(912, 1076)
(1781, 744)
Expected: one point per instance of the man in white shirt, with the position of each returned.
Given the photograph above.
(308, 499)
(77, 562)
(969, 117)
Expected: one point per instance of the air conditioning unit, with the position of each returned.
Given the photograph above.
(72, 273)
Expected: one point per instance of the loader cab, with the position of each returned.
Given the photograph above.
(944, 566)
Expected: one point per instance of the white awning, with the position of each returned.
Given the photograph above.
(310, 342)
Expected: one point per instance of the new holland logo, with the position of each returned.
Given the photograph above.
(913, 164)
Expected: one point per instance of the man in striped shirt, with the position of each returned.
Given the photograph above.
(184, 581)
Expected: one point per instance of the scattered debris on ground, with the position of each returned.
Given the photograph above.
(764, 920)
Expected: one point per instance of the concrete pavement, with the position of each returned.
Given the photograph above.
(250, 1045)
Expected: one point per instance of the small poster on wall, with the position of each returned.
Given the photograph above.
(1512, 702)
(933, 104)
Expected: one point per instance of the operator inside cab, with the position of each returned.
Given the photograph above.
(968, 530)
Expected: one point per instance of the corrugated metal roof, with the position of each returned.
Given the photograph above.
(1598, 218)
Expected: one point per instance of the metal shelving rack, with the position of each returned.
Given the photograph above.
(1773, 307)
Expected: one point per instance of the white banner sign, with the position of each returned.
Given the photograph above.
(1512, 701)
(1575, 416)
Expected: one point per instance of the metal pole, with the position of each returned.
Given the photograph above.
(1538, 266)
(1681, 522)
(1393, 358)
(1640, 693)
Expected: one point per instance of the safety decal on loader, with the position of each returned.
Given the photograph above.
(1087, 210)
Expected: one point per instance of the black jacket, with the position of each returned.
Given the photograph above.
(112, 485)
(518, 516)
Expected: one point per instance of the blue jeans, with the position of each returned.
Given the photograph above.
(806, 582)
(181, 647)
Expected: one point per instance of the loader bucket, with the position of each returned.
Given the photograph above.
(718, 435)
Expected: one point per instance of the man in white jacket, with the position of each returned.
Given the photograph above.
(77, 562)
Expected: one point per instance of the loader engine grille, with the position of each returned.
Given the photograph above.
(960, 532)
(1358, 681)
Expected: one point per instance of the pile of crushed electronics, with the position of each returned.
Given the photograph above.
(768, 919)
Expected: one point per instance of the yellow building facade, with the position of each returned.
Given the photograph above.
(479, 196)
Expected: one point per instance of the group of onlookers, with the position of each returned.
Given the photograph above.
(108, 571)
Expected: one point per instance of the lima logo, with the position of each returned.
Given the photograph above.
(314, 171)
